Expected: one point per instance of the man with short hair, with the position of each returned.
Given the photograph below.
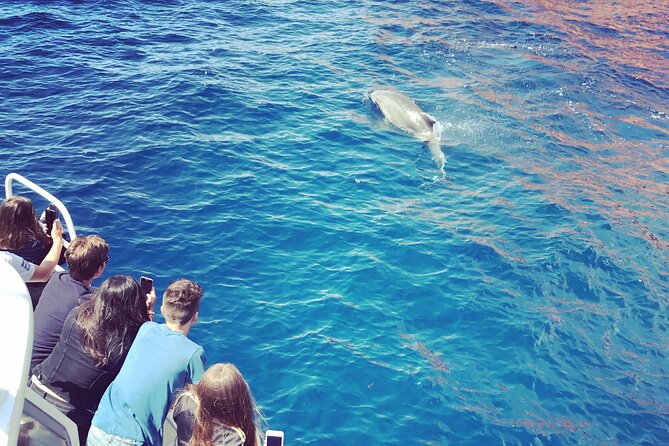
(86, 258)
(161, 361)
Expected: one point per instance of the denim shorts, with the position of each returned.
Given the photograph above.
(97, 437)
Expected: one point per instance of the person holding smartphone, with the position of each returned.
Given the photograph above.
(23, 244)
(161, 361)
(20, 232)
(26, 246)
(94, 343)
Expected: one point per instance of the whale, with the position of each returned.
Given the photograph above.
(403, 112)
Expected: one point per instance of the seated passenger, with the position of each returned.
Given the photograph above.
(217, 411)
(91, 349)
(31, 272)
(20, 233)
(86, 258)
(161, 361)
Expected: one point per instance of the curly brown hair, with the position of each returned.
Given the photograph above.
(181, 301)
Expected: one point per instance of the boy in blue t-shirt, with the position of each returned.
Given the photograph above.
(161, 361)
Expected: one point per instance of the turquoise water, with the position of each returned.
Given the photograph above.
(520, 298)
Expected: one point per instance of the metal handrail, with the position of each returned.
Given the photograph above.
(65, 214)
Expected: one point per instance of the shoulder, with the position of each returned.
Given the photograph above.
(148, 329)
(156, 334)
(173, 345)
(190, 351)
(58, 281)
(75, 287)
(185, 402)
(173, 337)
(225, 436)
(21, 265)
(8, 256)
(194, 345)
(60, 292)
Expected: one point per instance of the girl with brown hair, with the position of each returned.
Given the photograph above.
(218, 411)
(25, 246)
(20, 233)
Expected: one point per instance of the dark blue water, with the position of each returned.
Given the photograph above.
(521, 298)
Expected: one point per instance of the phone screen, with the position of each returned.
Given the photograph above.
(274, 441)
(50, 215)
(146, 284)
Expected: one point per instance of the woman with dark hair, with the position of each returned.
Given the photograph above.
(92, 347)
(20, 232)
(217, 411)
(22, 238)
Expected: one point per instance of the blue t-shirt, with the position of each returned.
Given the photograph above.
(159, 364)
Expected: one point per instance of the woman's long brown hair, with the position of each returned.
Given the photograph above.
(224, 399)
(18, 225)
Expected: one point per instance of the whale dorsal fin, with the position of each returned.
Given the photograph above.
(429, 119)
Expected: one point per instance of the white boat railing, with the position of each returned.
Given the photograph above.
(62, 210)
(25, 417)
(16, 333)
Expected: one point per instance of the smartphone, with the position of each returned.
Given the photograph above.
(50, 215)
(274, 438)
(146, 283)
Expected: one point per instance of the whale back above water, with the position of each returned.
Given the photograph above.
(403, 112)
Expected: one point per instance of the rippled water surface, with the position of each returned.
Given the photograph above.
(521, 298)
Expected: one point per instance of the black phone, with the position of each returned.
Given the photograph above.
(50, 215)
(146, 283)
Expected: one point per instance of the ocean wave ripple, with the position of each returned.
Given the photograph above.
(519, 299)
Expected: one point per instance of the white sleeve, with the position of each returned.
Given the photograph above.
(21, 265)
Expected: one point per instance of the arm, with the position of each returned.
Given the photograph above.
(44, 270)
(196, 366)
